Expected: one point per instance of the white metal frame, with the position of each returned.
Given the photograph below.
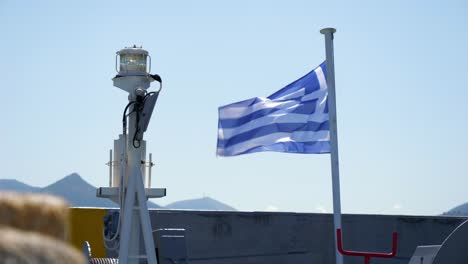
(131, 193)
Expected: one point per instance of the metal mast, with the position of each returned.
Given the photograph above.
(129, 163)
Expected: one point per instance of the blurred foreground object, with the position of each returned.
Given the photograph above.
(21, 247)
(42, 213)
(34, 230)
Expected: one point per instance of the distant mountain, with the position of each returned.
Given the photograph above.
(72, 188)
(461, 210)
(204, 203)
(79, 193)
(14, 185)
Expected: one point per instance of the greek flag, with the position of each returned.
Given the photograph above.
(294, 120)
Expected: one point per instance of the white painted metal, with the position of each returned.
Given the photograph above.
(150, 167)
(140, 220)
(328, 32)
(111, 164)
(119, 147)
(133, 50)
(126, 224)
(110, 192)
(131, 83)
(134, 165)
(134, 246)
(142, 150)
(145, 218)
(119, 159)
(134, 212)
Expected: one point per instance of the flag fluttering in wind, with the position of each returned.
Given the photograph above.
(294, 119)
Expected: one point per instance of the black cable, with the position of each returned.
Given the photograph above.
(140, 103)
(124, 117)
(138, 107)
(126, 108)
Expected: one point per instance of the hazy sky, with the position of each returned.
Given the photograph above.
(401, 80)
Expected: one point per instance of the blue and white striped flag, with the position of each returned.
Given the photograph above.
(294, 119)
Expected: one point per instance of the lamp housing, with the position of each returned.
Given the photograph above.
(133, 61)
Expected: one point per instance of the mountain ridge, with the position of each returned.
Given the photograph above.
(200, 204)
(460, 210)
(79, 193)
(12, 184)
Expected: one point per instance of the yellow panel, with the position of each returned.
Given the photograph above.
(87, 225)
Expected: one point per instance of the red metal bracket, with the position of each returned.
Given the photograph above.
(366, 255)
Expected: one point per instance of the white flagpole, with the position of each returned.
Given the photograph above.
(328, 32)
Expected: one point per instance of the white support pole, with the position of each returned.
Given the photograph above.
(134, 164)
(126, 228)
(149, 169)
(328, 32)
(145, 219)
(136, 219)
(111, 166)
